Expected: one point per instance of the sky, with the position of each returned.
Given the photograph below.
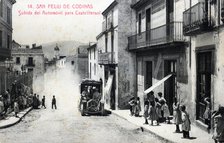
(28, 29)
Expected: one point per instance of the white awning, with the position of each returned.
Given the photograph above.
(108, 87)
(157, 84)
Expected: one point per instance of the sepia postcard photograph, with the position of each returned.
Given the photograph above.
(111, 71)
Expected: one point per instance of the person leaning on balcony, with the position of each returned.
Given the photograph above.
(218, 134)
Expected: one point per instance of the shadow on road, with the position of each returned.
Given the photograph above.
(106, 113)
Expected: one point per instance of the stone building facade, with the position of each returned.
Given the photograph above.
(78, 62)
(5, 28)
(28, 59)
(206, 31)
(116, 64)
(5, 42)
(161, 49)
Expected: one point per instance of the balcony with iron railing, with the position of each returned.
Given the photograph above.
(107, 58)
(138, 3)
(107, 26)
(197, 19)
(30, 64)
(162, 35)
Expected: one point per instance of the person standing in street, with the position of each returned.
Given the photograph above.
(186, 125)
(207, 113)
(177, 115)
(132, 104)
(16, 108)
(1, 106)
(153, 113)
(43, 102)
(218, 117)
(53, 103)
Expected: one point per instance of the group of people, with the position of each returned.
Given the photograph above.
(91, 93)
(37, 102)
(157, 110)
(21, 103)
(9, 102)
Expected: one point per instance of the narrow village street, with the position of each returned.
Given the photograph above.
(66, 125)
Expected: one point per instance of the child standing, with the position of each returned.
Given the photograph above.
(207, 113)
(16, 108)
(166, 112)
(146, 111)
(132, 104)
(153, 113)
(186, 125)
(137, 107)
(158, 110)
(177, 115)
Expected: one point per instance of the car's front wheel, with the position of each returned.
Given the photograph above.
(82, 110)
(102, 109)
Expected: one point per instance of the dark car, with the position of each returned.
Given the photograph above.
(91, 101)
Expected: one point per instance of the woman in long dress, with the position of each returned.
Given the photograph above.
(177, 115)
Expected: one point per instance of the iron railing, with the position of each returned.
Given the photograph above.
(106, 58)
(172, 32)
(196, 18)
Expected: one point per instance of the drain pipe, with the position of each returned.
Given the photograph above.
(190, 38)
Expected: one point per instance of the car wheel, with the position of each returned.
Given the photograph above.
(82, 110)
(102, 109)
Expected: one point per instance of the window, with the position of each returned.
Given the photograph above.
(8, 41)
(94, 69)
(139, 23)
(17, 60)
(94, 54)
(0, 39)
(1, 8)
(90, 70)
(90, 54)
(106, 40)
(72, 62)
(109, 22)
(30, 61)
(8, 15)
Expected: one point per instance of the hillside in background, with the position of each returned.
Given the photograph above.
(67, 48)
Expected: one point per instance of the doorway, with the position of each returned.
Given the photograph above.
(204, 70)
(148, 74)
(170, 86)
